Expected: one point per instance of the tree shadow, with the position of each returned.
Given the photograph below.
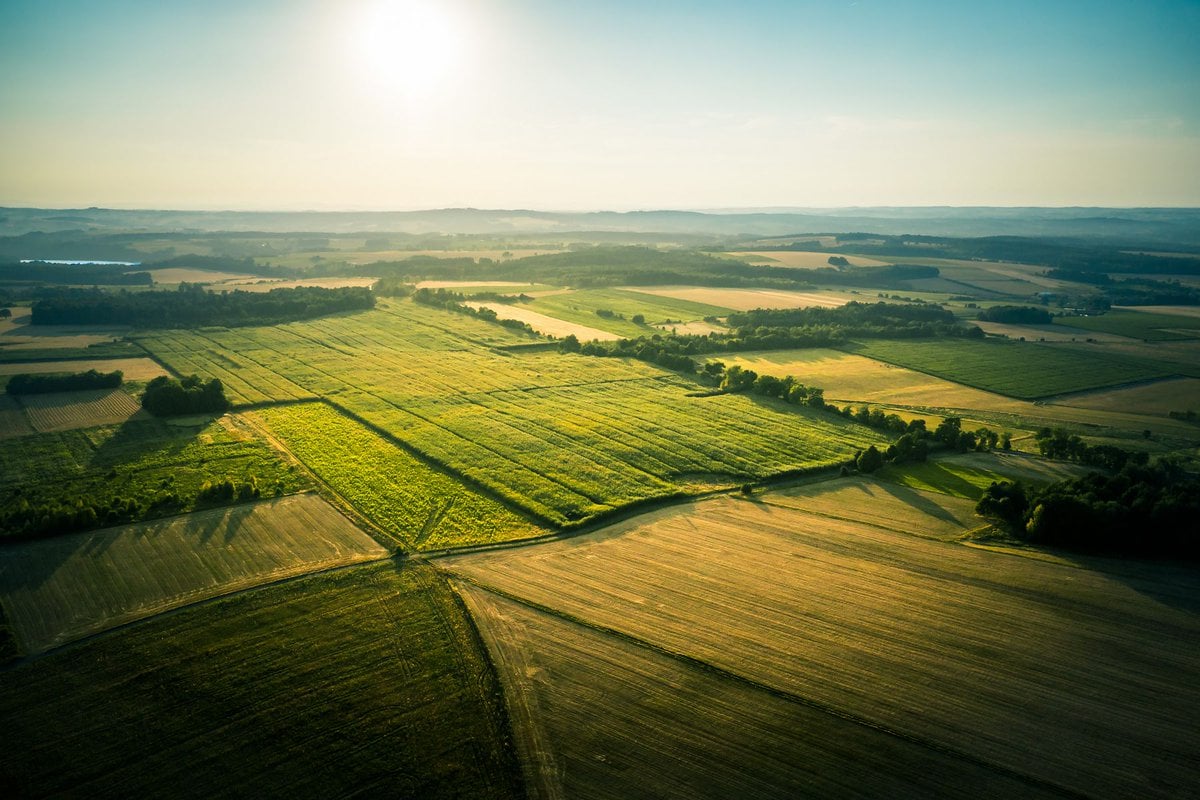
(919, 501)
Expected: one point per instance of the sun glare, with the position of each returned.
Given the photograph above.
(411, 47)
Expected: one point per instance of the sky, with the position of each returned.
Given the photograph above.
(598, 104)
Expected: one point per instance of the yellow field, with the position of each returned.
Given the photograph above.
(551, 326)
(188, 275)
(17, 333)
(253, 284)
(848, 378)
(1048, 333)
(803, 260)
(60, 589)
(1064, 676)
(66, 411)
(134, 369)
(747, 299)
(884, 505)
(1160, 397)
(595, 715)
(1181, 311)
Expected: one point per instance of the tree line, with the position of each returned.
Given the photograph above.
(27, 383)
(456, 302)
(1146, 509)
(192, 306)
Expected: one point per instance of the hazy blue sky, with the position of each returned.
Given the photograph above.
(574, 104)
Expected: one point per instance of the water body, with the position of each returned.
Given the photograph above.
(81, 263)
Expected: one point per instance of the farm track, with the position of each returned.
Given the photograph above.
(1031, 782)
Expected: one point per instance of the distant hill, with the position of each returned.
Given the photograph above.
(1143, 225)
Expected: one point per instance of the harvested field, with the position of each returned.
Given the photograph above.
(883, 505)
(551, 326)
(1044, 333)
(134, 369)
(1177, 311)
(366, 681)
(1160, 397)
(188, 275)
(13, 421)
(61, 589)
(461, 285)
(17, 333)
(66, 411)
(253, 284)
(966, 475)
(667, 727)
(803, 260)
(748, 299)
(1078, 679)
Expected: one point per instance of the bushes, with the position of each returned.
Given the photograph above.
(25, 383)
(166, 396)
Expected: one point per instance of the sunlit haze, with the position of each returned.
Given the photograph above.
(368, 104)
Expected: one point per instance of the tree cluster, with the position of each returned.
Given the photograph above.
(1016, 315)
(26, 383)
(1144, 509)
(855, 319)
(39, 272)
(167, 397)
(192, 306)
(1060, 444)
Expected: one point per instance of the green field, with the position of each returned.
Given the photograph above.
(362, 681)
(1138, 325)
(563, 437)
(419, 504)
(581, 306)
(1017, 369)
(149, 468)
(968, 475)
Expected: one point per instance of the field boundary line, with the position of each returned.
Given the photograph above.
(782, 694)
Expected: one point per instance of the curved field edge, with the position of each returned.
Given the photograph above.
(408, 498)
(67, 587)
(270, 693)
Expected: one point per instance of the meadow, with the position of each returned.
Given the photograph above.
(1017, 369)
(60, 589)
(363, 680)
(580, 306)
(1011, 667)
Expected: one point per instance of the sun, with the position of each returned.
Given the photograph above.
(409, 46)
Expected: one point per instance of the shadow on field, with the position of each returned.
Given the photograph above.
(917, 500)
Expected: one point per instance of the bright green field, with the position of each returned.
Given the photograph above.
(142, 461)
(580, 307)
(1017, 369)
(420, 505)
(563, 437)
(1137, 325)
(367, 681)
(968, 475)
